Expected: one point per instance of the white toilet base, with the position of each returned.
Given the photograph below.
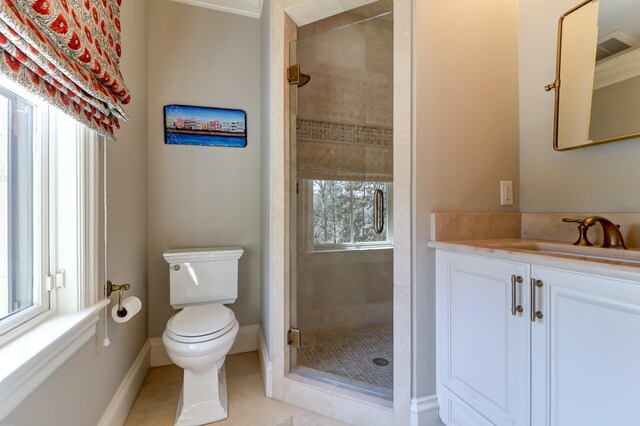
(203, 398)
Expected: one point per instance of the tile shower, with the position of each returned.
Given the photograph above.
(342, 278)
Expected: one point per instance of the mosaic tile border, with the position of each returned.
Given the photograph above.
(350, 133)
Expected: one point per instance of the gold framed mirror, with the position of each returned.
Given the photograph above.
(597, 85)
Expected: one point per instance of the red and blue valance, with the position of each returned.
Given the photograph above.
(68, 52)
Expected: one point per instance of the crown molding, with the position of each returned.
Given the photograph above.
(304, 12)
(251, 8)
(617, 69)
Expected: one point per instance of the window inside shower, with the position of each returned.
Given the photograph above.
(341, 200)
(342, 215)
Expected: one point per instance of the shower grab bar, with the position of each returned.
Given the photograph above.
(378, 211)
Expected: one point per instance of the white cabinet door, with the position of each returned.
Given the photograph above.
(585, 350)
(482, 348)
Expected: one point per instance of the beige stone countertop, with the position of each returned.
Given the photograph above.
(617, 263)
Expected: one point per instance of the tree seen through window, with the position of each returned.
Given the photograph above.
(343, 212)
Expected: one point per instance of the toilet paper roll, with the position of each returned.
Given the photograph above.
(131, 304)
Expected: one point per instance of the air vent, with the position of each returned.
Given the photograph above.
(610, 47)
(614, 43)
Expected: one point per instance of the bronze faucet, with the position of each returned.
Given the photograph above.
(612, 238)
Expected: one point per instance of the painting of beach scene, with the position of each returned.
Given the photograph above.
(191, 125)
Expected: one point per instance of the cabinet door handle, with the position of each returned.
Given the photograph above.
(535, 314)
(515, 309)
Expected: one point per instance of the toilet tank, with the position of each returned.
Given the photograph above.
(203, 275)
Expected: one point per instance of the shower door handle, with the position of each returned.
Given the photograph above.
(378, 211)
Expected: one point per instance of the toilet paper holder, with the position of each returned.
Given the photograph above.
(120, 288)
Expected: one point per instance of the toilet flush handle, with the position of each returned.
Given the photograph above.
(176, 267)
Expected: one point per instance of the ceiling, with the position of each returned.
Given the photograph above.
(304, 12)
(622, 15)
(301, 11)
(251, 8)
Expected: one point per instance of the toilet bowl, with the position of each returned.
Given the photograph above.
(198, 338)
(201, 353)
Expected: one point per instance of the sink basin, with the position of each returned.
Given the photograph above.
(564, 249)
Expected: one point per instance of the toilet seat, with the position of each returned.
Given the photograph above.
(200, 323)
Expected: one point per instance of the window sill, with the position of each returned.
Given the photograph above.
(28, 360)
(349, 248)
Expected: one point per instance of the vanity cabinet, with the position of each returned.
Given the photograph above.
(482, 347)
(575, 363)
(585, 352)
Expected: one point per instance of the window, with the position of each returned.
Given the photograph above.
(343, 214)
(44, 194)
(21, 164)
(49, 283)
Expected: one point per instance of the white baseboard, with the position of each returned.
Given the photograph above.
(266, 367)
(424, 411)
(159, 355)
(118, 409)
(246, 341)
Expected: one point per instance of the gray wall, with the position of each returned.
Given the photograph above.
(601, 178)
(80, 390)
(203, 196)
(615, 110)
(466, 135)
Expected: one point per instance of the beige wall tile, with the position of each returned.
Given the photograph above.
(474, 226)
(549, 226)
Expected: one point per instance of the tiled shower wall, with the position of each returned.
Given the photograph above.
(344, 290)
(351, 72)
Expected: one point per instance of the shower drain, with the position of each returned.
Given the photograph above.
(381, 362)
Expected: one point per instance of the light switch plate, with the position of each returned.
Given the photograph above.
(506, 193)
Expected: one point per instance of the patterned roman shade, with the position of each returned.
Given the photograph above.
(68, 52)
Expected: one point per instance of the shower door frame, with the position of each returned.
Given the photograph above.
(275, 353)
(300, 226)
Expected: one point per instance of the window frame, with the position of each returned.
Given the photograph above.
(31, 352)
(308, 222)
(66, 236)
(40, 242)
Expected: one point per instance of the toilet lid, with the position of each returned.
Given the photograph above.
(201, 321)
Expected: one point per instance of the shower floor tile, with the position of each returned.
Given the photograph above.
(352, 356)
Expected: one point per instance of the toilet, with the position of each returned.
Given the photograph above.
(199, 337)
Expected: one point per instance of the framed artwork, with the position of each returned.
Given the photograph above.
(193, 125)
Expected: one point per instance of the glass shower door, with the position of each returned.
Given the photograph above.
(342, 196)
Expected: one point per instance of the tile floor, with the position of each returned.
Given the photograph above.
(157, 399)
(352, 356)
